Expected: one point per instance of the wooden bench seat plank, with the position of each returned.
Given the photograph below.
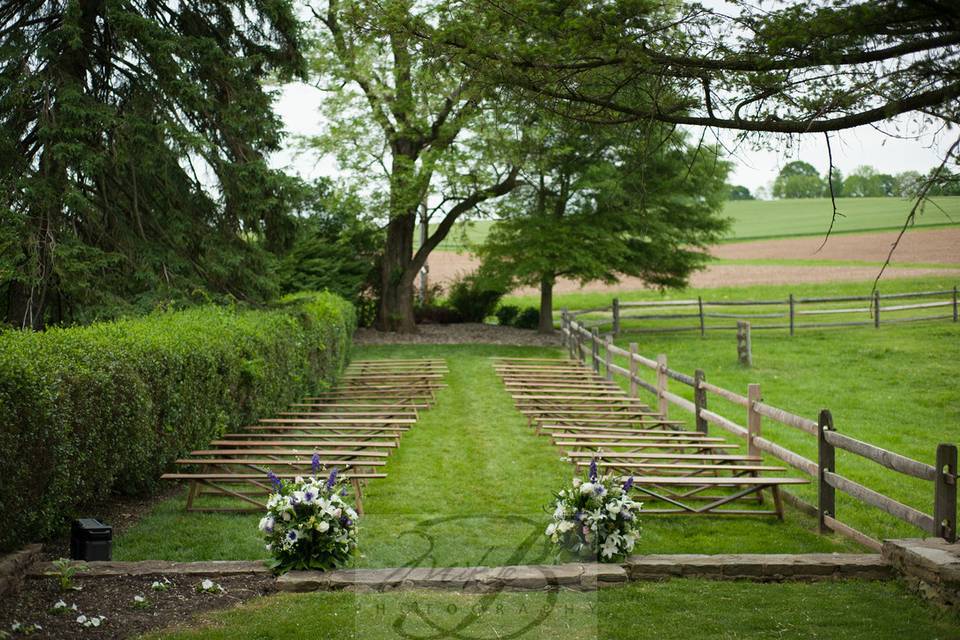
(290, 452)
(282, 445)
(269, 461)
(714, 457)
(644, 444)
(240, 477)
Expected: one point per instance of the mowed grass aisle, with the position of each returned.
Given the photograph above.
(470, 482)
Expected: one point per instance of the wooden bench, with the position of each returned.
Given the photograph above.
(219, 483)
(663, 489)
(353, 428)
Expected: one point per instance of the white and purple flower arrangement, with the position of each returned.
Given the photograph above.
(595, 518)
(309, 523)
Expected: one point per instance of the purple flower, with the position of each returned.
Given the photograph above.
(628, 484)
(578, 516)
(345, 521)
(332, 479)
(315, 463)
(274, 480)
(593, 470)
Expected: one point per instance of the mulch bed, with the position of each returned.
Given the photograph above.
(113, 597)
(468, 332)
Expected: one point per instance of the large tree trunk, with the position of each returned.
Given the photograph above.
(546, 305)
(396, 278)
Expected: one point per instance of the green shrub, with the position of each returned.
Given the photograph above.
(89, 410)
(475, 298)
(529, 318)
(507, 314)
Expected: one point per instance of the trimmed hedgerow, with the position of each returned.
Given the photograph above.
(104, 408)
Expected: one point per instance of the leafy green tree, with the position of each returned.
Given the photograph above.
(335, 249)
(947, 184)
(598, 203)
(798, 179)
(739, 192)
(795, 68)
(133, 140)
(866, 182)
(907, 184)
(407, 125)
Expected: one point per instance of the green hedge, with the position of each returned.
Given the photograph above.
(87, 411)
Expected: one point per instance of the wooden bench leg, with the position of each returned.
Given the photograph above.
(357, 494)
(194, 485)
(777, 500)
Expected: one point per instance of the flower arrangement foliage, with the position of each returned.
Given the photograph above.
(309, 522)
(595, 518)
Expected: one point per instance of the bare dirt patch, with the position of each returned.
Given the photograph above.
(930, 246)
(920, 245)
(460, 334)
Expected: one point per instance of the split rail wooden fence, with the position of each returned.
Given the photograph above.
(586, 344)
(792, 313)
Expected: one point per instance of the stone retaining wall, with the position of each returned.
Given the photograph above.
(13, 565)
(573, 576)
(930, 566)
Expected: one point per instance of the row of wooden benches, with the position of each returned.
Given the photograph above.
(592, 420)
(352, 428)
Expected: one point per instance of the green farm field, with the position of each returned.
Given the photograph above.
(755, 219)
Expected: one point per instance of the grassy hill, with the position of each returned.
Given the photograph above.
(755, 219)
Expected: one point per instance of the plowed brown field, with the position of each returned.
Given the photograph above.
(927, 246)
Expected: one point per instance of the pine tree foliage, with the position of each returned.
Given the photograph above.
(133, 146)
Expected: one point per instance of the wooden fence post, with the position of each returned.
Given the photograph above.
(703, 326)
(945, 493)
(564, 328)
(595, 349)
(954, 303)
(607, 357)
(826, 461)
(791, 314)
(876, 309)
(616, 316)
(662, 405)
(699, 399)
(753, 418)
(633, 370)
(744, 346)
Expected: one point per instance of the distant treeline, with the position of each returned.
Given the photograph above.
(800, 179)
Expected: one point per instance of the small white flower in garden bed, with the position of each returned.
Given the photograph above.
(140, 602)
(209, 586)
(596, 518)
(165, 585)
(60, 607)
(92, 621)
(309, 522)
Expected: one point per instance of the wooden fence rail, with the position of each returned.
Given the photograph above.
(792, 312)
(943, 475)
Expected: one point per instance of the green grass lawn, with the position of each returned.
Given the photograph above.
(755, 219)
(591, 299)
(679, 609)
(469, 485)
